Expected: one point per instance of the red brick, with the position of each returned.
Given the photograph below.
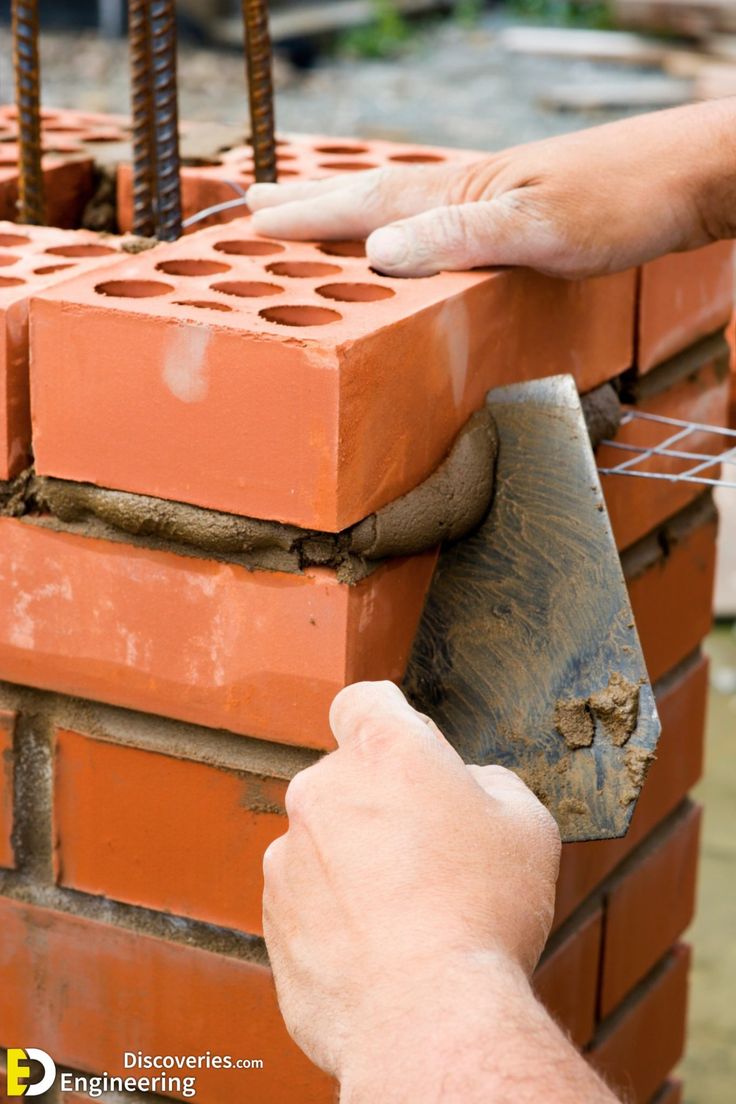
(32, 258)
(648, 906)
(136, 388)
(670, 1093)
(636, 506)
(7, 728)
(69, 184)
(645, 1038)
(681, 701)
(683, 297)
(672, 598)
(566, 981)
(143, 827)
(101, 990)
(259, 652)
(300, 156)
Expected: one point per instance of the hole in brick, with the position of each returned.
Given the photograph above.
(339, 150)
(10, 281)
(91, 249)
(133, 289)
(62, 128)
(285, 156)
(203, 304)
(300, 316)
(355, 293)
(417, 158)
(343, 248)
(7, 259)
(104, 136)
(286, 172)
(302, 268)
(192, 268)
(48, 269)
(247, 289)
(347, 166)
(244, 248)
(201, 162)
(10, 240)
(8, 160)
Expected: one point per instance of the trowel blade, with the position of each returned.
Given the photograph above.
(527, 653)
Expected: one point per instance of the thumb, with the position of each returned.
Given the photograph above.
(465, 235)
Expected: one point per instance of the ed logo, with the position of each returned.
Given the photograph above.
(19, 1070)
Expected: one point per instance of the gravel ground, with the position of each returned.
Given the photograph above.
(452, 85)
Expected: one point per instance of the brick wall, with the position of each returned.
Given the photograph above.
(160, 689)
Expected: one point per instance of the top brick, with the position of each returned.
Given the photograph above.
(288, 380)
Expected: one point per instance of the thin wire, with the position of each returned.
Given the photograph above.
(664, 449)
(217, 207)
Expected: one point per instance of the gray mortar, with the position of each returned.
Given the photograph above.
(446, 506)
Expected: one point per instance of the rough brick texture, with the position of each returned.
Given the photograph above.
(102, 990)
(278, 380)
(260, 653)
(32, 258)
(566, 980)
(129, 825)
(648, 905)
(639, 1045)
(683, 297)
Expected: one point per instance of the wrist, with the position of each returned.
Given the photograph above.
(420, 1032)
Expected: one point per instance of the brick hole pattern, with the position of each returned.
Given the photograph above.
(283, 284)
(65, 132)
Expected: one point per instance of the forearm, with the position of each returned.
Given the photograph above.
(477, 1035)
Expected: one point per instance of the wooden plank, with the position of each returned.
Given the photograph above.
(644, 92)
(570, 42)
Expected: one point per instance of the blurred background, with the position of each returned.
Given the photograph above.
(480, 75)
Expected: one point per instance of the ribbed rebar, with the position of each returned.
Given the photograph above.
(141, 94)
(31, 205)
(166, 120)
(258, 56)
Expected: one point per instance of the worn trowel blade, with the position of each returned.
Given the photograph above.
(527, 653)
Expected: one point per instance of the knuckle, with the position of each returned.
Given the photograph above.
(300, 795)
(273, 857)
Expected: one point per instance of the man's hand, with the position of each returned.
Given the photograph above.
(598, 201)
(405, 909)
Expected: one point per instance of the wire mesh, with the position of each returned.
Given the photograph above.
(684, 464)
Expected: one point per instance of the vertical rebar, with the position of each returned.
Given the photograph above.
(166, 120)
(258, 56)
(31, 206)
(141, 93)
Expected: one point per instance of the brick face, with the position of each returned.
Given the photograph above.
(312, 429)
(169, 834)
(648, 906)
(636, 1049)
(261, 653)
(672, 597)
(100, 991)
(566, 980)
(683, 297)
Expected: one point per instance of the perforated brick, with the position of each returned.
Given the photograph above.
(32, 258)
(288, 380)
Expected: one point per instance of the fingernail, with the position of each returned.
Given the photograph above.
(388, 247)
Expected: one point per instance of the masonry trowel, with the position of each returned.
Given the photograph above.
(527, 653)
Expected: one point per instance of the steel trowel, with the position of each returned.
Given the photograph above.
(527, 652)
